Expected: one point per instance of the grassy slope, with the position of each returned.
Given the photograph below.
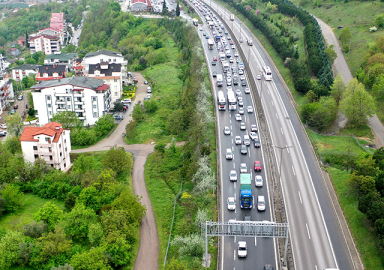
(32, 204)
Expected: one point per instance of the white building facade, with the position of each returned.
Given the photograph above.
(89, 98)
(18, 73)
(104, 56)
(50, 143)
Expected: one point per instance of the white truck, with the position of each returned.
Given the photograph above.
(195, 22)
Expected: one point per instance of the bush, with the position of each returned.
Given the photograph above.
(83, 136)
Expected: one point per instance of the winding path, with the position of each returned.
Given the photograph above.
(342, 67)
(147, 257)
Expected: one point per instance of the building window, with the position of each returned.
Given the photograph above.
(59, 145)
(35, 147)
(65, 140)
(93, 98)
(48, 97)
(95, 114)
(65, 149)
(50, 112)
(61, 154)
(115, 80)
(101, 60)
(94, 106)
(115, 93)
(50, 149)
(49, 105)
(114, 60)
(48, 140)
(50, 157)
(68, 99)
(69, 107)
(65, 165)
(36, 156)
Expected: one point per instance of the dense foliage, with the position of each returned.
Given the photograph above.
(101, 214)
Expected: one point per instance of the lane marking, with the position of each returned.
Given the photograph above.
(255, 241)
(309, 236)
(293, 169)
(301, 201)
(282, 131)
(277, 117)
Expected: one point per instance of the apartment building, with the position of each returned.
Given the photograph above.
(51, 72)
(19, 72)
(50, 143)
(47, 44)
(89, 98)
(104, 56)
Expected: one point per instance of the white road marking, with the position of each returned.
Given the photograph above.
(277, 117)
(300, 197)
(282, 131)
(234, 254)
(293, 169)
(309, 236)
(273, 104)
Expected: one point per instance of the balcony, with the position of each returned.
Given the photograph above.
(46, 144)
(82, 118)
(60, 101)
(77, 102)
(79, 110)
(61, 109)
(78, 94)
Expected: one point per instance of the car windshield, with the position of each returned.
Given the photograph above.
(231, 202)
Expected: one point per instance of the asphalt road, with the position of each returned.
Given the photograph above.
(317, 240)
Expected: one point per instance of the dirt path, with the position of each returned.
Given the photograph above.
(341, 66)
(147, 257)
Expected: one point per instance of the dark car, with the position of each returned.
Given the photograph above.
(243, 83)
(118, 117)
(213, 63)
(16, 106)
(268, 267)
(214, 74)
(257, 143)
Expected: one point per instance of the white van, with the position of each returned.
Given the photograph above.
(246, 140)
(260, 203)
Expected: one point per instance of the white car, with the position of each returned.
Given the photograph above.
(241, 72)
(4, 126)
(228, 154)
(258, 181)
(258, 77)
(242, 249)
(236, 54)
(253, 136)
(242, 77)
(233, 175)
(242, 126)
(241, 111)
(238, 117)
(231, 203)
(243, 168)
(227, 131)
(238, 92)
(237, 140)
(250, 109)
(254, 128)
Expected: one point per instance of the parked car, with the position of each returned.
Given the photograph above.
(149, 89)
(3, 133)
(13, 111)
(118, 117)
(145, 82)
(16, 107)
(4, 126)
(127, 100)
(20, 97)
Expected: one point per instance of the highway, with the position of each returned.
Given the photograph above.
(316, 239)
(264, 248)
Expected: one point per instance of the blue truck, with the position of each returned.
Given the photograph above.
(217, 38)
(246, 197)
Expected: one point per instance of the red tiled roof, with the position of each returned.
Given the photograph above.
(104, 87)
(48, 129)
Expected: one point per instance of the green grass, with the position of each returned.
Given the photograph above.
(359, 16)
(32, 204)
(359, 225)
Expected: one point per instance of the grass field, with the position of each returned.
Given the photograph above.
(32, 204)
(359, 225)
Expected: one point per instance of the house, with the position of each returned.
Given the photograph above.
(67, 59)
(78, 67)
(47, 44)
(51, 143)
(89, 98)
(55, 32)
(102, 56)
(6, 93)
(51, 72)
(15, 52)
(141, 5)
(111, 74)
(22, 41)
(18, 73)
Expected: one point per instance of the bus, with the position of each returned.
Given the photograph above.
(232, 100)
(210, 44)
(221, 100)
(219, 80)
(267, 73)
(232, 17)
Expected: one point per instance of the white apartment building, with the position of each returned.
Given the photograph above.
(104, 56)
(44, 43)
(89, 98)
(19, 72)
(51, 143)
(111, 74)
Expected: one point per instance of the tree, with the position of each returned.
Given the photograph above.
(378, 86)
(135, 210)
(362, 185)
(104, 125)
(138, 113)
(357, 104)
(53, 244)
(49, 213)
(15, 125)
(345, 38)
(35, 230)
(332, 54)
(118, 248)
(177, 9)
(338, 88)
(13, 144)
(68, 119)
(165, 9)
(78, 221)
(95, 234)
(378, 157)
(91, 259)
(118, 160)
(63, 267)
(70, 201)
(379, 20)
(365, 165)
(13, 197)
(118, 106)
(9, 246)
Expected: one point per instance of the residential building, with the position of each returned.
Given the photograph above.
(44, 43)
(67, 59)
(22, 41)
(55, 32)
(14, 52)
(18, 73)
(51, 143)
(6, 93)
(104, 56)
(78, 67)
(4, 64)
(141, 5)
(111, 75)
(51, 72)
(57, 21)
(89, 98)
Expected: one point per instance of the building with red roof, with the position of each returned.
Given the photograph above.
(51, 143)
(141, 5)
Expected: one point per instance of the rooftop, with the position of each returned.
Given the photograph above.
(52, 129)
(82, 82)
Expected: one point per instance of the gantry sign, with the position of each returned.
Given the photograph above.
(246, 229)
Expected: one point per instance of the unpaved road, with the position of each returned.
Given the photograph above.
(147, 257)
(342, 67)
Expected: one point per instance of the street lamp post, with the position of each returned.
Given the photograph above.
(281, 157)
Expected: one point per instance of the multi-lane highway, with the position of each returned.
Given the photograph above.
(316, 239)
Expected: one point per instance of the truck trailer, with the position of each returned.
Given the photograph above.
(246, 197)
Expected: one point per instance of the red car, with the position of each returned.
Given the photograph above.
(214, 58)
(257, 166)
(15, 107)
